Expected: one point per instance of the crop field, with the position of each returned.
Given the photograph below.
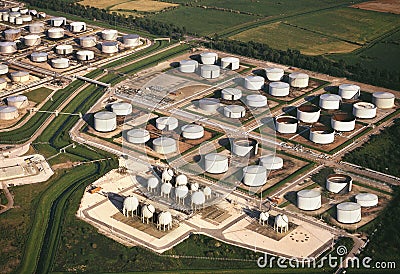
(136, 5)
(391, 6)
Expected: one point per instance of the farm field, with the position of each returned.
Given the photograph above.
(391, 6)
(134, 5)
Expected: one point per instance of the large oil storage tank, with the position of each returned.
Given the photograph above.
(339, 183)
(18, 21)
(18, 101)
(208, 58)
(309, 199)
(109, 34)
(188, 66)
(209, 71)
(85, 55)
(366, 199)
(41, 15)
(271, 162)
(109, 47)
(33, 12)
(131, 40)
(121, 109)
(343, 121)
(256, 101)
(58, 21)
(279, 89)
(15, 9)
(254, 175)
(209, 105)
(3, 69)
(64, 49)
(330, 101)
(364, 110)
(308, 113)
(349, 91)
(77, 27)
(60, 63)
(55, 33)
(8, 113)
(234, 111)
(230, 63)
(254, 82)
(12, 34)
(164, 145)
(5, 17)
(24, 11)
(20, 76)
(32, 40)
(26, 18)
(87, 41)
(286, 124)
(383, 99)
(192, 131)
(137, 136)
(105, 121)
(245, 147)
(216, 163)
(231, 94)
(348, 213)
(166, 123)
(274, 74)
(298, 80)
(322, 135)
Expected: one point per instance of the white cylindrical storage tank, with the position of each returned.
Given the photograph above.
(215, 163)
(18, 101)
(18, 21)
(164, 145)
(274, 74)
(11, 19)
(32, 40)
(137, 136)
(231, 94)
(254, 82)
(5, 17)
(308, 113)
(364, 110)
(349, 91)
(298, 80)
(41, 15)
(58, 21)
(330, 101)
(279, 89)
(85, 55)
(24, 11)
(286, 124)
(109, 34)
(3, 69)
(366, 199)
(64, 49)
(348, 213)
(33, 12)
(244, 147)
(188, 66)
(256, 101)
(210, 71)
(131, 40)
(208, 58)
(343, 121)
(230, 63)
(254, 176)
(36, 28)
(271, 162)
(383, 99)
(309, 199)
(322, 135)
(26, 18)
(166, 123)
(192, 131)
(60, 63)
(14, 9)
(209, 104)
(55, 33)
(105, 121)
(339, 183)
(3, 83)
(20, 76)
(77, 27)
(109, 47)
(8, 113)
(87, 41)
(234, 111)
(121, 109)
(12, 34)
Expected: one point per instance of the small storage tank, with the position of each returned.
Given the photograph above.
(348, 213)
(274, 74)
(12, 34)
(298, 80)
(77, 27)
(18, 21)
(164, 145)
(309, 199)
(343, 121)
(131, 40)
(8, 47)
(18, 101)
(230, 63)
(85, 55)
(33, 12)
(24, 11)
(64, 49)
(4, 15)
(271, 162)
(105, 121)
(188, 66)
(209, 104)
(55, 33)
(208, 58)
(254, 82)
(20, 76)
(58, 21)
(60, 63)
(256, 101)
(121, 109)
(245, 147)
(3, 83)
(339, 183)
(231, 94)
(279, 89)
(349, 91)
(192, 131)
(14, 9)
(164, 220)
(216, 163)
(308, 113)
(330, 101)
(383, 99)
(87, 41)
(3, 69)
(198, 199)
(254, 176)
(41, 15)
(210, 71)
(234, 111)
(109, 34)
(137, 136)
(286, 124)
(26, 18)
(322, 135)
(364, 110)
(32, 40)
(11, 19)
(166, 123)
(109, 47)
(366, 199)
(8, 113)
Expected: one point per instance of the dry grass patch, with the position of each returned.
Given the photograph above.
(143, 5)
(390, 6)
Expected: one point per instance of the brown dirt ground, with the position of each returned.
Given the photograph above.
(390, 6)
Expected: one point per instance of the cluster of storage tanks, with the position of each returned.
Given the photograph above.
(106, 121)
(14, 103)
(15, 76)
(20, 16)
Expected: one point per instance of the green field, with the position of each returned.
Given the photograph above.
(38, 95)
